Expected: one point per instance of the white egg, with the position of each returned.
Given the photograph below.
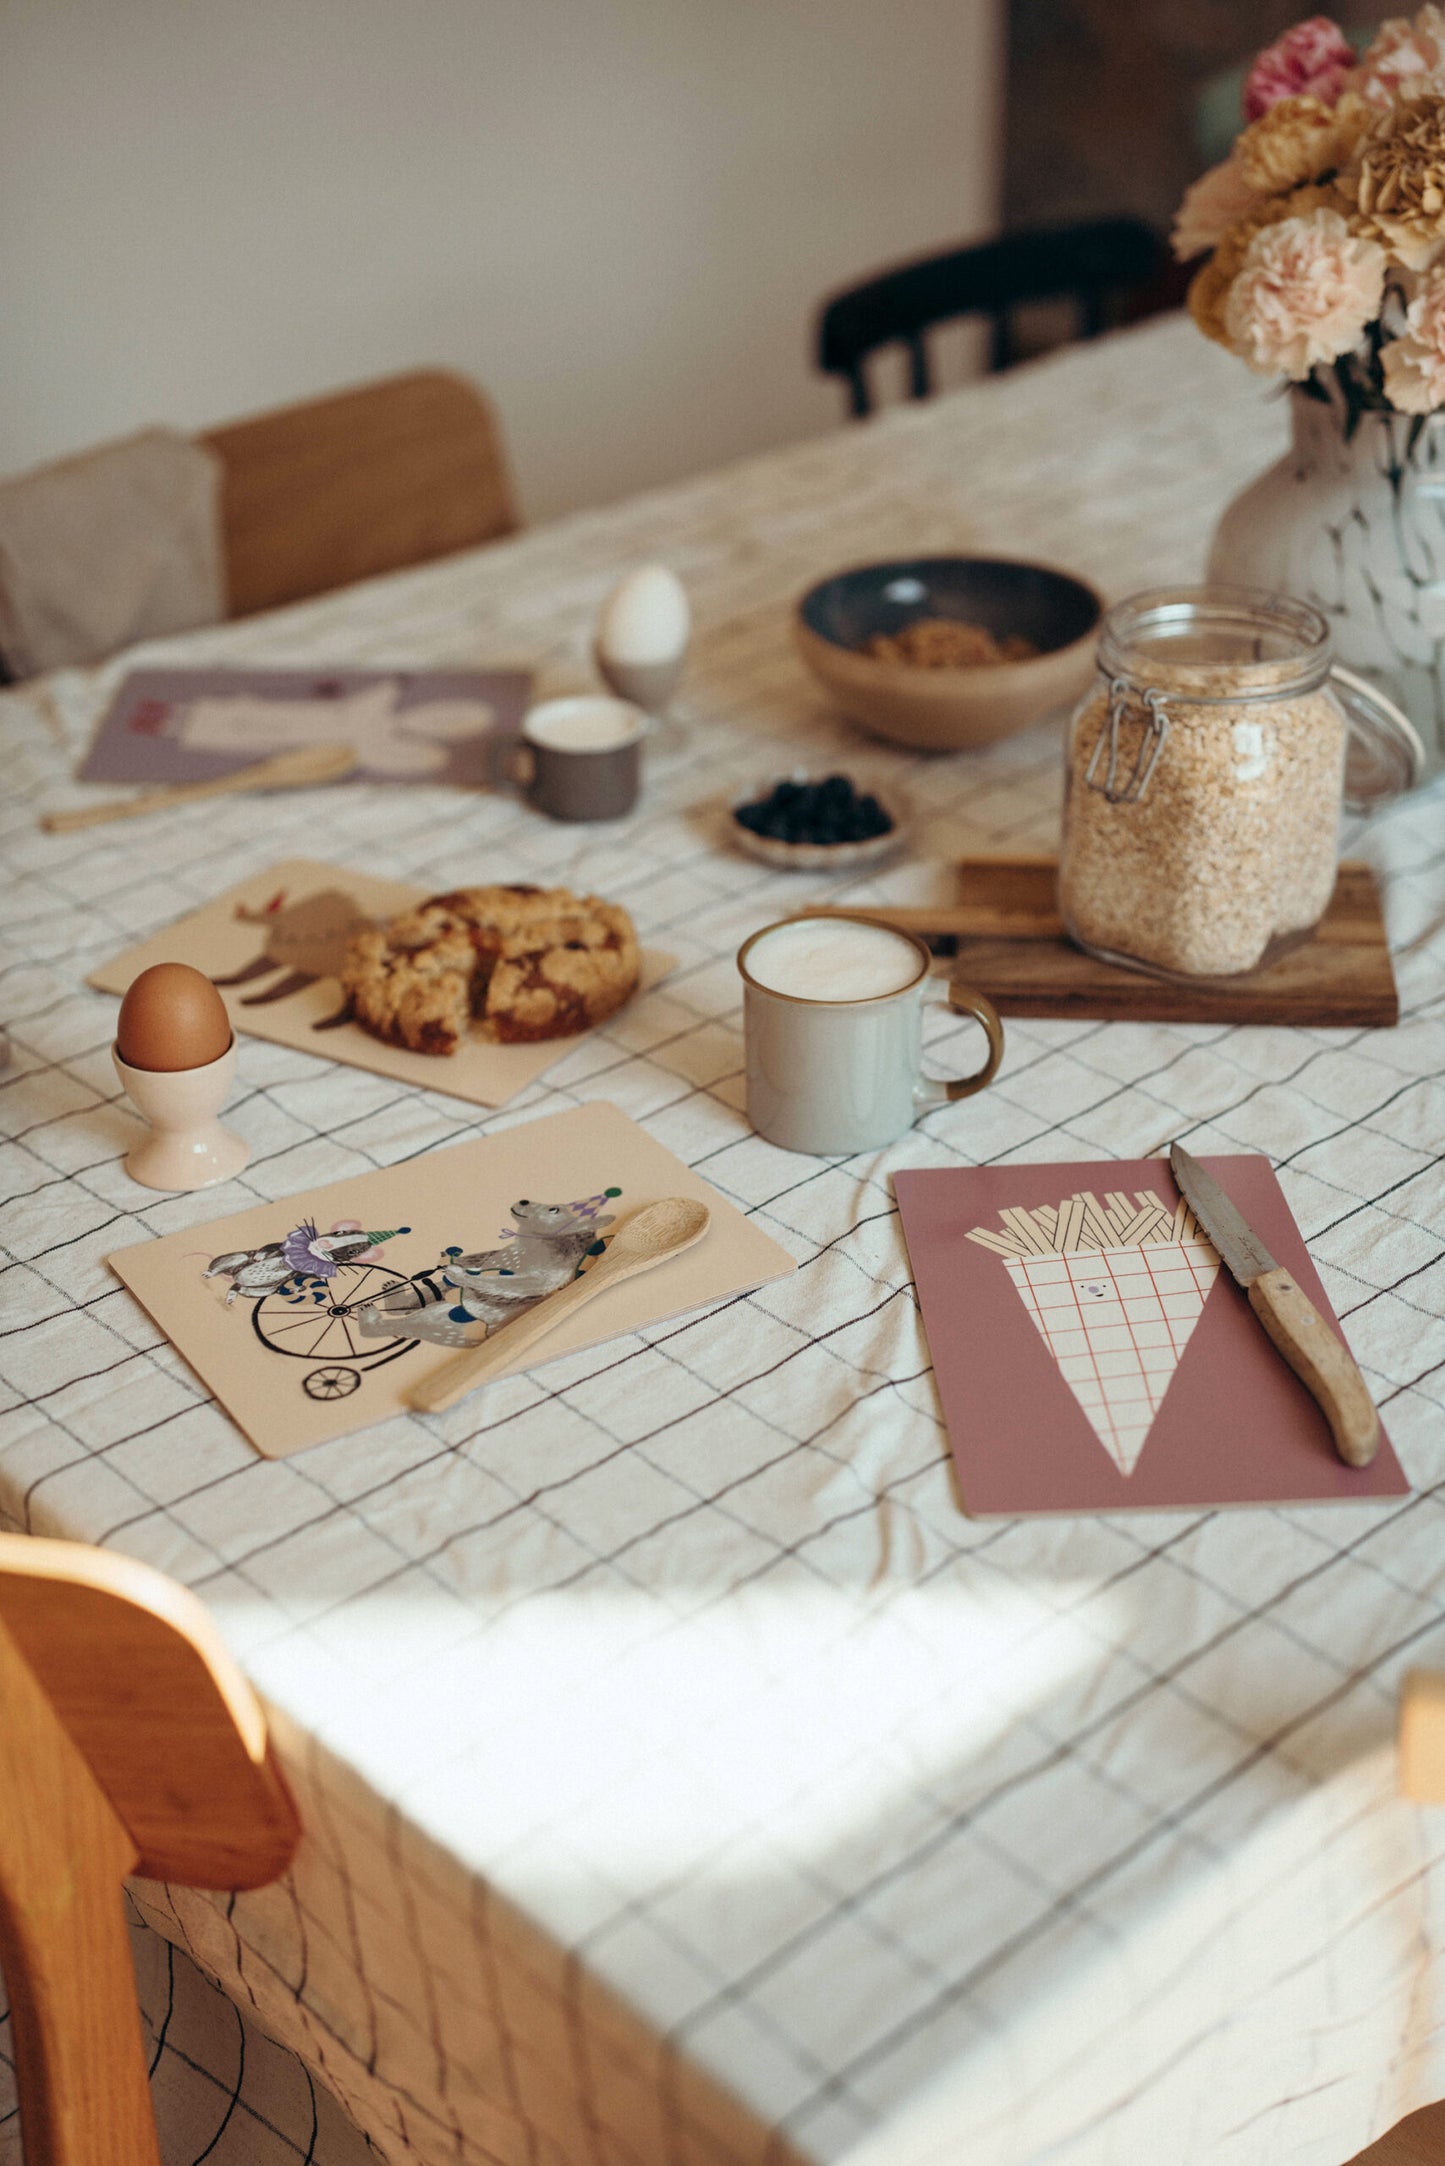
(645, 619)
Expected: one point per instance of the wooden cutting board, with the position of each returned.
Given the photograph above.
(1006, 932)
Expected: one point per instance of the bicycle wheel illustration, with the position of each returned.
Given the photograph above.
(332, 1382)
(314, 1320)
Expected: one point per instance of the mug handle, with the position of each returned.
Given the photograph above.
(511, 762)
(946, 1090)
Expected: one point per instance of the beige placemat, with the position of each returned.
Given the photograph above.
(281, 935)
(290, 1364)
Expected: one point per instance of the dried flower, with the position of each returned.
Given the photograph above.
(1397, 179)
(1210, 289)
(1212, 204)
(1414, 363)
(1404, 57)
(1297, 140)
(1304, 293)
(1312, 59)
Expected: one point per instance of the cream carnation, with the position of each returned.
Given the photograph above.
(1212, 204)
(1304, 293)
(1405, 56)
(1209, 289)
(1414, 363)
(1311, 59)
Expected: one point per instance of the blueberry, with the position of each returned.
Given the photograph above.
(829, 812)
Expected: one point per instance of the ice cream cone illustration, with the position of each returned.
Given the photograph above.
(1114, 1291)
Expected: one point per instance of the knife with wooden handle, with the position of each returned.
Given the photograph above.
(1319, 1358)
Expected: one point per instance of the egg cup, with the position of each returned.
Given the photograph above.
(648, 685)
(187, 1146)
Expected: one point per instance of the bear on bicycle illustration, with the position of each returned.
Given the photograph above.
(327, 1298)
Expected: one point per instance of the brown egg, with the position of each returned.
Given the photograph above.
(171, 1018)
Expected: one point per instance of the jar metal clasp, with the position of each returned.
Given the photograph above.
(1128, 792)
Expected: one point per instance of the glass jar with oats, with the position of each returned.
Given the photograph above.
(1204, 778)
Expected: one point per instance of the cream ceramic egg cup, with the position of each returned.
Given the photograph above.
(187, 1146)
(649, 685)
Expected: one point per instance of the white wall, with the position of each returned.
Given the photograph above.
(617, 214)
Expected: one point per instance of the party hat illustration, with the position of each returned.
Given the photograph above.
(1114, 1290)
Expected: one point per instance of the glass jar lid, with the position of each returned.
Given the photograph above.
(1222, 644)
(1216, 643)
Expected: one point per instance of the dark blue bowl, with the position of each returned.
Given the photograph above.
(1050, 609)
(940, 710)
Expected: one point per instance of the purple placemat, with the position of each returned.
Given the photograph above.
(187, 725)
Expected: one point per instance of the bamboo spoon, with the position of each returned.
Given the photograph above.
(649, 1237)
(283, 771)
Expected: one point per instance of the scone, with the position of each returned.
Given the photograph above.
(524, 962)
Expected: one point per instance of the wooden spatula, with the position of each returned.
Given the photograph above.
(649, 1237)
(308, 764)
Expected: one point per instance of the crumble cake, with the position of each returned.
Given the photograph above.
(523, 962)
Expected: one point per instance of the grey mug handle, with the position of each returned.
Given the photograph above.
(947, 1090)
(511, 763)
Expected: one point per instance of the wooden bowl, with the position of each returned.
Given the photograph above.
(950, 710)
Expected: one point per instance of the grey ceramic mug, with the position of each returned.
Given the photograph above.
(832, 1073)
(580, 758)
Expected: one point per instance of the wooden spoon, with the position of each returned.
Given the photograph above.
(308, 764)
(649, 1237)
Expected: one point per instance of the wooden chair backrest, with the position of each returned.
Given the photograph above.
(129, 1742)
(1088, 263)
(391, 474)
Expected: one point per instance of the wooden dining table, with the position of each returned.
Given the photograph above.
(687, 1780)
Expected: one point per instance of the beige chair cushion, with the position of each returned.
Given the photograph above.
(118, 544)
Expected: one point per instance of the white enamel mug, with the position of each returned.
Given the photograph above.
(838, 1068)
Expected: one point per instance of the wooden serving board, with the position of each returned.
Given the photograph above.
(1009, 940)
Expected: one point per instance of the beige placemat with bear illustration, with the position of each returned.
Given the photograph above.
(270, 1306)
(273, 945)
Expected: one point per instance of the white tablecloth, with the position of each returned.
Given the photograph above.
(685, 1777)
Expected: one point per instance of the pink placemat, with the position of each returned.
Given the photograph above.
(1108, 1373)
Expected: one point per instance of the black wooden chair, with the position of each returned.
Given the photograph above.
(1106, 267)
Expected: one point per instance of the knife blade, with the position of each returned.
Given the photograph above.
(1237, 1242)
(1319, 1358)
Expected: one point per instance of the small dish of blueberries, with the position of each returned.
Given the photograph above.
(812, 823)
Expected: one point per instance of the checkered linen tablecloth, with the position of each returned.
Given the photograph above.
(685, 1778)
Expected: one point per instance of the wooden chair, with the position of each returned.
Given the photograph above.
(129, 1743)
(1100, 266)
(365, 481)
(1418, 2140)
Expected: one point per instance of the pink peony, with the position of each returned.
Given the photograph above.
(1405, 56)
(1304, 293)
(1414, 363)
(1312, 60)
(1212, 204)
